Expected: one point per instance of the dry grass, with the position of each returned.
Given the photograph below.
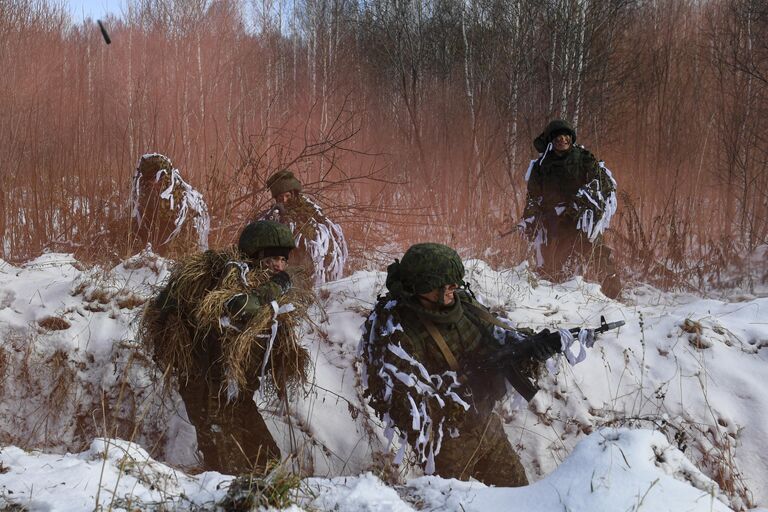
(169, 338)
(199, 289)
(59, 407)
(277, 488)
(4, 368)
(130, 301)
(63, 377)
(244, 350)
(54, 323)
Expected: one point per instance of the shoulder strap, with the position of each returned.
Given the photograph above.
(441, 344)
(485, 315)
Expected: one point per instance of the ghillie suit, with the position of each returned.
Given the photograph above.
(443, 411)
(320, 242)
(224, 329)
(571, 200)
(166, 211)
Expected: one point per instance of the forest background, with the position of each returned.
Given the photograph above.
(409, 120)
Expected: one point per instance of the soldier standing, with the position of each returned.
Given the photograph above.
(220, 326)
(571, 199)
(416, 347)
(320, 242)
(166, 211)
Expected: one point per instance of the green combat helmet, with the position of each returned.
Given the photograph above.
(265, 238)
(283, 181)
(424, 267)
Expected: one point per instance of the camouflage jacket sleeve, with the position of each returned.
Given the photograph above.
(400, 388)
(499, 332)
(535, 188)
(532, 211)
(245, 305)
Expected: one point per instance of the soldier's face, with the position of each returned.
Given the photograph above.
(562, 143)
(433, 296)
(274, 263)
(284, 197)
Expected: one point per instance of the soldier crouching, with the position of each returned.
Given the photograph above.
(417, 348)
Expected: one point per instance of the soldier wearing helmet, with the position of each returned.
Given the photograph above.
(417, 344)
(571, 199)
(268, 244)
(321, 246)
(210, 328)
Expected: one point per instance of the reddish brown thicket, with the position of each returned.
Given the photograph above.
(411, 120)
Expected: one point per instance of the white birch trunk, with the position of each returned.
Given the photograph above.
(583, 7)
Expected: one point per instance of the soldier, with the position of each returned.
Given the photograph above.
(571, 199)
(166, 211)
(223, 325)
(320, 241)
(417, 348)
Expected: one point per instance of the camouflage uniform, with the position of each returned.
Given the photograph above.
(231, 433)
(445, 414)
(571, 198)
(321, 246)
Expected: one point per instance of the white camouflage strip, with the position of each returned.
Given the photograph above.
(422, 386)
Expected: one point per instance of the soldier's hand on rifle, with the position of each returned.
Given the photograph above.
(543, 351)
(283, 280)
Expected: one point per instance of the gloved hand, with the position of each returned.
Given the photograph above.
(283, 280)
(543, 351)
(243, 305)
(527, 229)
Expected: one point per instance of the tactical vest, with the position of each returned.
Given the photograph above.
(469, 338)
(557, 179)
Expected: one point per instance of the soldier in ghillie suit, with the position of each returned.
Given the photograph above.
(166, 211)
(571, 199)
(418, 348)
(224, 326)
(320, 242)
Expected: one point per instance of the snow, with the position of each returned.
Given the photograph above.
(613, 469)
(110, 473)
(657, 411)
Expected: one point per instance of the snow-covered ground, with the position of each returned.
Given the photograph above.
(665, 414)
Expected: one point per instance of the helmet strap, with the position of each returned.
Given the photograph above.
(469, 290)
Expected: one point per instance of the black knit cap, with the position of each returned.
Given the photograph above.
(553, 129)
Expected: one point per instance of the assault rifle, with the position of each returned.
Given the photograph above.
(516, 351)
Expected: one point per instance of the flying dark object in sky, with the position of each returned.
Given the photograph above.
(104, 32)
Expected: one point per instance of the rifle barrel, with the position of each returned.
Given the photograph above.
(610, 326)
